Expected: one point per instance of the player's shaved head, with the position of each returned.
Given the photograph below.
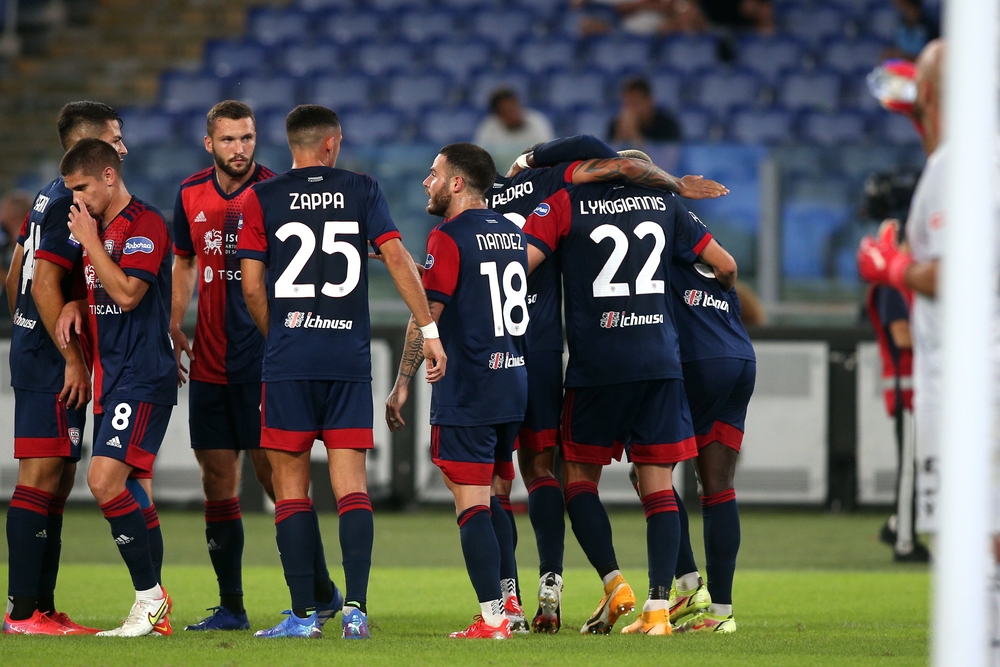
(472, 163)
(929, 64)
(90, 157)
(81, 120)
(231, 109)
(927, 106)
(308, 125)
(635, 154)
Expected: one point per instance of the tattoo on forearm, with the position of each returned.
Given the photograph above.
(640, 173)
(413, 351)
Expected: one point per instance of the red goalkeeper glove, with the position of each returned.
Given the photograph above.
(881, 261)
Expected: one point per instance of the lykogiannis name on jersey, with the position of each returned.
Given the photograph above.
(623, 205)
(696, 297)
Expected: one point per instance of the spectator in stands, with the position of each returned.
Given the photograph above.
(510, 124)
(915, 30)
(639, 17)
(640, 120)
(13, 208)
(759, 15)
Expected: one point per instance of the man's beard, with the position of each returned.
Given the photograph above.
(231, 170)
(439, 203)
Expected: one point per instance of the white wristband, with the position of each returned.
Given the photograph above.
(430, 331)
(522, 161)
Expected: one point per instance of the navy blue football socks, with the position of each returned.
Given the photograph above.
(225, 539)
(27, 538)
(722, 543)
(481, 551)
(322, 584)
(505, 538)
(357, 533)
(685, 554)
(546, 510)
(297, 538)
(129, 531)
(53, 551)
(663, 532)
(591, 526)
(155, 540)
(505, 504)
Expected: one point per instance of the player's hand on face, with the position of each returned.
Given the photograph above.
(70, 322)
(181, 344)
(81, 224)
(76, 388)
(436, 359)
(394, 405)
(698, 187)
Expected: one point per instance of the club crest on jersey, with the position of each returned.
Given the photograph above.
(429, 262)
(213, 242)
(542, 210)
(109, 246)
(500, 360)
(74, 435)
(239, 224)
(138, 244)
(692, 297)
(610, 319)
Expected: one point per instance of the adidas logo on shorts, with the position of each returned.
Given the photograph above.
(200, 217)
(124, 539)
(213, 545)
(41, 534)
(114, 442)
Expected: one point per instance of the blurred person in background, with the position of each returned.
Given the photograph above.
(639, 17)
(915, 30)
(640, 120)
(13, 209)
(509, 123)
(759, 16)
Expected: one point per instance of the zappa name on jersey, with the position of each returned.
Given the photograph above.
(696, 297)
(619, 318)
(500, 360)
(313, 201)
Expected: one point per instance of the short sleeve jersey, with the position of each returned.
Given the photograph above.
(135, 358)
(516, 198)
(707, 316)
(617, 241)
(228, 348)
(477, 266)
(311, 227)
(35, 362)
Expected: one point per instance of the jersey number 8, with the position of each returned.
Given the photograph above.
(285, 286)
(503, 314)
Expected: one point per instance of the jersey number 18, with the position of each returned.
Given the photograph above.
(503, 312)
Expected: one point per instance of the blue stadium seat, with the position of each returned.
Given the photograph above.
(147, 127)
(172, 163)
(319, 5)
(271, 129)
(667, 88)
(188, 92)
(853, 8)
(341, 92)
(352, 27)
(467, 4)
(591, 121)
(395, 5)
(273, 26)
(544, 8)
(767, 126)
(423, 26)
(737, 211)
(882, 22)
(409, 92)
(832, 129)
(539, 55)
(898, 129)
(689, 53)
(621, 54)
(769, 56)
(568, 90)
(266, 93)
(302, 59)
(505, 27)
(696, 124)
(814, 23)
(722, 90)
(724, 162)
(805, 236)
(460, 58)
(379, 59)
(829, 189)
(853, 57)
(812, 90)
(859, 161)
(447, 126)
(232, 58)
(488, 81)
(371, 127)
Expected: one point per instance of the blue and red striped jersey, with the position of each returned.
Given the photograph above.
(228, 348)
(477, 266)
(311, 227)
(617, 240)
(134, 356)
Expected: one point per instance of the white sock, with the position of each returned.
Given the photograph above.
(154, 593)
(721, 609)
(610, 576)
(689, 581)
(653, 605)
(509, 588)
(492, 612)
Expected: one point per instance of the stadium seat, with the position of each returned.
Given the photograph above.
(544, 8)
(722, 90)
(860, 161)
(266, 93)
(233, 58)
(460, 58)
(352, 27)
(769, 56)
(147, 127)
(341, 92)
(739, 210)
(696, 124)
(689, 53)
(172, 163)
(273, 26)
(812, 90)
(539, 55)
(591, 121)
(487, 81)
(854, 57)
(447, 126)
(621, 54)
(830, 189)
(882, 22)
(465, 5)
(318, 5)
(303, 59)
(407, 92)
(667, 88)
(420, 26)
(378, 59)
(898, 129)
(367, 128)
(805, 236)
(505, 27)
(189, 92)
(814, 23)
(724, 162)
(768, 126)
(568, 90)
(271, 129)
(832, 129)
(395, 5)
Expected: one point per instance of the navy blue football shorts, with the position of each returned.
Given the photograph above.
(132, 432)
(224, 416)
(471, 455)
(540, 429)
(649, 420)
(296, 413)
(718, 392)
(44, 427)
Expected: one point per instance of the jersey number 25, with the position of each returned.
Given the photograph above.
(285, 286)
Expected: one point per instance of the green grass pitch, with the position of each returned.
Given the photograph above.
(811, 589)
